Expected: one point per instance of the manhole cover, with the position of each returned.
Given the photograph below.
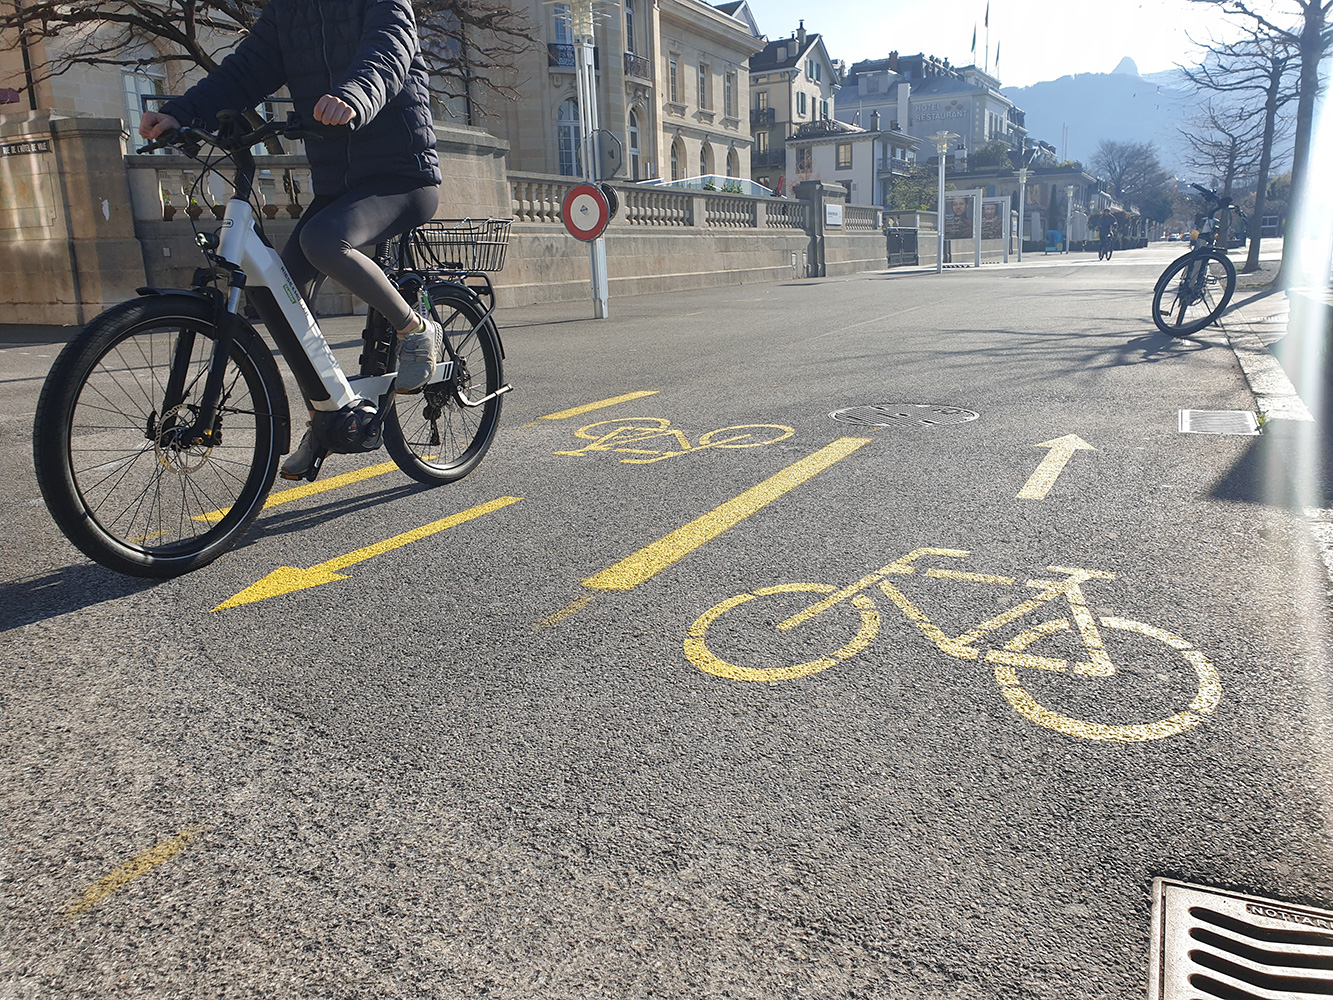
(1209, 943)
(896, 414)
(1218, 422)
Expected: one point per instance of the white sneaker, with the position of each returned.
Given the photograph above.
(417, 354)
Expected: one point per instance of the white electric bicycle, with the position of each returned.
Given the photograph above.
(160, 426)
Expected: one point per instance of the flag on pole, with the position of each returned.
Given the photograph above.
(974, 41)
(988, 13)
(997, 55)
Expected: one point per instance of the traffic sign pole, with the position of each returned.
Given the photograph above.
(586, 80)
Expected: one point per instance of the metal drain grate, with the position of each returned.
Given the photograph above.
(1218, 422)
(896, 414)
(1210, 944)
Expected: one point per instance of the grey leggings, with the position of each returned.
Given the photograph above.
(324, 242)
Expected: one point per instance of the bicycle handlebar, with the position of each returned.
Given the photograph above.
(236, 144)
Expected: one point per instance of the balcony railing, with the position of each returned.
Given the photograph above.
(771, 158)
(637, 66)
(895, 165)
(763, 116)
(560, 55)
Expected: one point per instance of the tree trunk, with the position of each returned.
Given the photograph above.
(1265, 163)
(1311, 49)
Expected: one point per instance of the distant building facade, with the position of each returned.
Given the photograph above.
(793, 82)
(672, 86)
(864, 161)
(923, 95)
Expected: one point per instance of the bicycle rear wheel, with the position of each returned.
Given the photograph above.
(1192, 292)
(435, 436)
(116, 477)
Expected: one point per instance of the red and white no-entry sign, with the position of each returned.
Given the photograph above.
(586, 212)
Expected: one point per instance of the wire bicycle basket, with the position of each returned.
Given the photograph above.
(451, 245)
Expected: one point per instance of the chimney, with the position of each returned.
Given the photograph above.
(893, 60)
(874, 121)
(800, 37)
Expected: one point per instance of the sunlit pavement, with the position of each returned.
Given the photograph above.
(1042, 648)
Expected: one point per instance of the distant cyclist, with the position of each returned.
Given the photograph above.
(356, 63)
(1104, 225)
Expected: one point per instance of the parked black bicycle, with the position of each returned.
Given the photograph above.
(1195, 288)
(160, 426)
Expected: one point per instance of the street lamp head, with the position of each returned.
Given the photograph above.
(943, 140)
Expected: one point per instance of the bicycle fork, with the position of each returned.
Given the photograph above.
(963, 647)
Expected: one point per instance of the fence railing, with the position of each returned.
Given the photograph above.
(173, 188)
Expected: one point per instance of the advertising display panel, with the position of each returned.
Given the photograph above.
(992, 218)
(958, 212)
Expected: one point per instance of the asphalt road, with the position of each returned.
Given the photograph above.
(561, 750)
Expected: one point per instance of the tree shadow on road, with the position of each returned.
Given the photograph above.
(71, 588)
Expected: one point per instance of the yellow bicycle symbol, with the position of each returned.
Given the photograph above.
(614, 435)
(1149, 683)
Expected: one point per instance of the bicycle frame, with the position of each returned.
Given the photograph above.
(963, 646)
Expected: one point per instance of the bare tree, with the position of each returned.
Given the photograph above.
(1257, 65)
(1311, 36)
(1228, 144)
(467, 43)
(1132, 168)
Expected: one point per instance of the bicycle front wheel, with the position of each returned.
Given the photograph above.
(116, 474)
(757, 643)
(441, 434)
(1192, 292)
(1151, 694)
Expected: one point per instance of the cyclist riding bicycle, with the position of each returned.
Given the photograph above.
(354, 63)
(1104, 226)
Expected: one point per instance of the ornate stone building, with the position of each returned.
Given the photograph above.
(672, 86)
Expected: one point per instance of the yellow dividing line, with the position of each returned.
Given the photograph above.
(311, 489)
(131, 870)
(670, 549)
(550, 621)
(287, 579)
(578, 411)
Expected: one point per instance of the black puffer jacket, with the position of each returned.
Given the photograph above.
(363, 51)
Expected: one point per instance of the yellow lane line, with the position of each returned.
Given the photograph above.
(311, 489)
(578, 411)
(550, 621)
(670, 549)
(287, 579)
(132, 869)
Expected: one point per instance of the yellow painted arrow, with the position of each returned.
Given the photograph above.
(286, 579)
(1062, 450)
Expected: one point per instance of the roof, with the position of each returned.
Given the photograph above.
(768, 60)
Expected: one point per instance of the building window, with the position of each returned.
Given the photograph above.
(673, 78)
(676, 151)
(705, 79)
(564, 24)
(805, 159)
(567, 139)
(137, 86)
(729, 95)
(629, 26)
(801, 104)
(761, 100)
(844, 156)
(705, 160)
(634, 152)
(823, 110)
(761, 142)
(733, 163)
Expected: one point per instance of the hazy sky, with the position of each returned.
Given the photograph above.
(1038, 39)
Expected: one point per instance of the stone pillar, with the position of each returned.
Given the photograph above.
(817, 194)
(67, 243)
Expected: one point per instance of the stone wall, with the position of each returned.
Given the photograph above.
(82, 224)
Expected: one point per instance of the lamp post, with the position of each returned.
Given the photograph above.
(1069, 212)
(942, 141)
(1022, 208)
